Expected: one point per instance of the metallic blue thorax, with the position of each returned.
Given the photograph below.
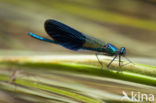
(111, 49)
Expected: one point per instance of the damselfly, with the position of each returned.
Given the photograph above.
(75, 40)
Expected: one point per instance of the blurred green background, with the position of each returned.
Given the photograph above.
(124, 23)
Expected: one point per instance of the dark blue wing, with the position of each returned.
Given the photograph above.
(65, 35)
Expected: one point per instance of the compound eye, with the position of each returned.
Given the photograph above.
(123, 51)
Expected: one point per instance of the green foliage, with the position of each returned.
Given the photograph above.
(70, 80)
(51, 78)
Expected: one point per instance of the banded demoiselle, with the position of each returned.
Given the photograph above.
(75, 40)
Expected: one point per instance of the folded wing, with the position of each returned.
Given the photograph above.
(65, 35)
(71, 38)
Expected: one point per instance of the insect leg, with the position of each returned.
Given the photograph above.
(119, 60)
(111, 61)
(129, 60)
(127, 63)
(99, 60)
